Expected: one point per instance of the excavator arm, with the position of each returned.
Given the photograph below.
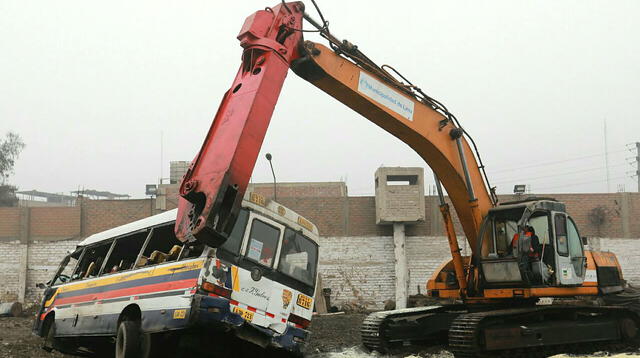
(437, 140)
(215, 183)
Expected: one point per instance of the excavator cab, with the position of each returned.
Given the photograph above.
(531, 243)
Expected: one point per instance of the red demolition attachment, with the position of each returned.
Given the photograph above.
(213, 187)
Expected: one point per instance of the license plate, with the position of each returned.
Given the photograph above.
(246, 314)
(179, 314)
(304, 301)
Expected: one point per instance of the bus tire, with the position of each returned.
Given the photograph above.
(128, 340)
(52, 343)
(49, 328)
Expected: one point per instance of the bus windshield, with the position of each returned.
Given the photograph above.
(298, 257)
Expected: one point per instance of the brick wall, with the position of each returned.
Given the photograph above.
(9, 272)
(360, 270)
(300, 190)
(100, 215)
(9, 222)
(44, 259)
(54, 223)
(357, 254)
(368, 282)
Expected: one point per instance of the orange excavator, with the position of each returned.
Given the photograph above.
(520, 251)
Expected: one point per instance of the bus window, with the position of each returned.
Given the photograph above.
(232, 245)
(163, 246)
(263, 242)
(125, 252)
(298, 257)
(231, 248)
(92, 260)
(65, 271)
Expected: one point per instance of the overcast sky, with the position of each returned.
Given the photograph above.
(90, 86)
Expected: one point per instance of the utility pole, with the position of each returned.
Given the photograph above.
(638, 164)
(606, 156)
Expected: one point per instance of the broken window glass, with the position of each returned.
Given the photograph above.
(92, 260)
(125, 252)
(162, 246)
(66, 268)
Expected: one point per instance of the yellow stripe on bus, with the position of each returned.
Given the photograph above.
(134, 275)
(234, 278)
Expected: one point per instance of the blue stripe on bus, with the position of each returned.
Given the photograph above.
(133, 283)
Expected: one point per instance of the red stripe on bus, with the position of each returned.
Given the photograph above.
(233, 302)
(270, 315)
(139, 290)
(251, 309)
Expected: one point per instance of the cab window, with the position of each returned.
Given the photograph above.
(575, 247)
(298, 257)
(262, 243)
(561, 235)
(488, 245)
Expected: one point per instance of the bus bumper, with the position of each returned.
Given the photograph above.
(215, 312)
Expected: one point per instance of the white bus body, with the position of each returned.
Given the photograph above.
(259, 285)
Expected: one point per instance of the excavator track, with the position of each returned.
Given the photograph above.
(382, 331)
(463, 340)
(542, 331)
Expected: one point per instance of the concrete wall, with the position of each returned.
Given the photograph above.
(360, 270)
(43, 258)
(357, 255)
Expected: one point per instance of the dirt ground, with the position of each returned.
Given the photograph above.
(16, 340)
(335, 336)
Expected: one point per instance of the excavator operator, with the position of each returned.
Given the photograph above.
(534, 249)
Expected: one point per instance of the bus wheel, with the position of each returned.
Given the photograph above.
(128, 340)
(49, 343)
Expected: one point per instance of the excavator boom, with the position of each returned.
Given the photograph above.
(215, 183)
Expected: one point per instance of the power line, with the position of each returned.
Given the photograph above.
(557, 161)
(579, 183)
(551, 169)
(556, 175)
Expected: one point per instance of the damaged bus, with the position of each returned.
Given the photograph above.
(138, 288)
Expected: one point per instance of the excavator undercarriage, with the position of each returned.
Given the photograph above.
(517, 328)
